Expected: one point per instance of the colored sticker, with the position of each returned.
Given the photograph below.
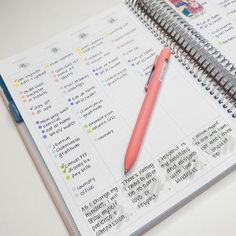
(188, 7)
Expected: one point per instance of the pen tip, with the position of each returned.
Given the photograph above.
(125, 172)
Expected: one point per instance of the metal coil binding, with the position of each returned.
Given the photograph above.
(200, 58)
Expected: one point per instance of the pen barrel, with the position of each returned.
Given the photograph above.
(145, 111)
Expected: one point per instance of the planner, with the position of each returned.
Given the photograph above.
(75, 99)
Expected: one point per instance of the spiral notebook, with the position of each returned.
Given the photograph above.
(75, 99)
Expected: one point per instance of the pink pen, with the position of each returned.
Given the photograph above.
(152, 88)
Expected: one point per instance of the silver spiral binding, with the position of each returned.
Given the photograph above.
(197, 55)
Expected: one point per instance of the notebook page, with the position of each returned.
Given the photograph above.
(79, 94)
(215, 20)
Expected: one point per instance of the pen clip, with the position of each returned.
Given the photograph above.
(151, 73)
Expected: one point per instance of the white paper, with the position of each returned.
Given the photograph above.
(217, 24)
(79, 95)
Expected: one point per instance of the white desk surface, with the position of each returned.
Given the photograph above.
(25, 205)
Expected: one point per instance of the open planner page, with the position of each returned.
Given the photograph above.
(79, 95)
(215, 20)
